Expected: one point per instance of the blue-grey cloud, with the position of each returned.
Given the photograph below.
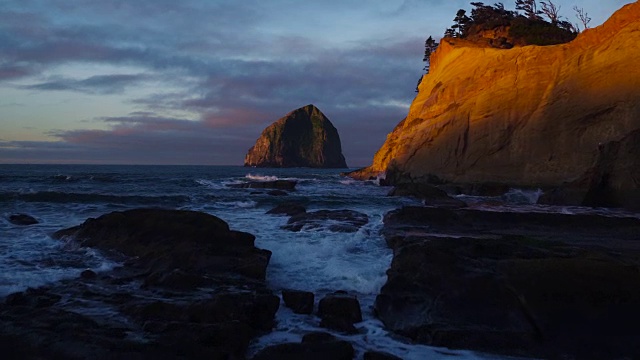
(98, 84)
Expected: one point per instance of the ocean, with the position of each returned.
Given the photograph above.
(317, 260)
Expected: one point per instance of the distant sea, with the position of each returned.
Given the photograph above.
(60, 196)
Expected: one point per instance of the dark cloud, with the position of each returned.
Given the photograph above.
(99, 84)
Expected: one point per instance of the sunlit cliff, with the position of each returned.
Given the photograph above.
(526, 116)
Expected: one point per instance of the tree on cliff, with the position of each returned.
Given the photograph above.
(430, 45)
(529, 7)
(582, 16)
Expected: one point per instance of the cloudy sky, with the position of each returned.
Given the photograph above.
(195, 82)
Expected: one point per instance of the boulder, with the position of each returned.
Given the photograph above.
(328, 348)
(332, 220)
(165, 240)
(288, 208)
(379, 355)
(301, 302)
(339, 311)
(22, 219)
(303, 138)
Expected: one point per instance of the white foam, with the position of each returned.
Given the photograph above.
(261, 177)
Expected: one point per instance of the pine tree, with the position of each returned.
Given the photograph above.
(529, 7)
(430, 45)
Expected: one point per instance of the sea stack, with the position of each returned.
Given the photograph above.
(534, 116)
(303, 138)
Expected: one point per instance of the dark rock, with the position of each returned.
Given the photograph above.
(429, 193)
(88, 274)
(317, 337)
(541, 285)
(275, 184)
(303, 138)
(164, 240)
(301, 302)
(198, 293)
(277, 193)
(309, 350)
(341, 220)
(288, 208)
(577, 228)
(22, 219)
(379, 355)
(339, 311)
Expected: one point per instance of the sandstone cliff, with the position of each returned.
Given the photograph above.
(302, 138)
(527, 116)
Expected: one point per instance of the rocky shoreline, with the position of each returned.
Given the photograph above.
(526, 284)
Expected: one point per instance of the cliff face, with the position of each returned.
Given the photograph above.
(527, 116)
(302, 138)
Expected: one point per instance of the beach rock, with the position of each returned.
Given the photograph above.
(275, 184)
(22, 219)
(332, 220)
(301, 302)
(288, 208)
(311, 348)
(88, 274)
(429, 193)
(534, 285)
(303, 138)
(339, 311)
(485, 115)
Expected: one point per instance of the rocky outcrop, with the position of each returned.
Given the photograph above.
(22, 219)
(526, 116)
(525, 284)
(188, 287)
(303, 138)
(347, 221)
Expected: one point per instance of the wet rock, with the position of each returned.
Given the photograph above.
(277, 193)
(276, 184)
(288, 208)
(164, 240)
(541, 285)
(316, 347)
(88, 274)
(301, 302)
(22, 219)
(429, 193)
(332, 220)
(190, 288)
(379, 355)
(339, 311)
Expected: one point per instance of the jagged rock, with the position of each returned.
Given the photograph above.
(22, 219)
(301, 302)
(379, 355)
(486, 115)
(303, 138)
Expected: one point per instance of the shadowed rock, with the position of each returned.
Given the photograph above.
(22, 219)
(303, 138)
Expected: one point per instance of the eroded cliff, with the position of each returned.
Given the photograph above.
(527, 116)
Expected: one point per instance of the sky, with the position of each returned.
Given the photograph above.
(196, 81)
